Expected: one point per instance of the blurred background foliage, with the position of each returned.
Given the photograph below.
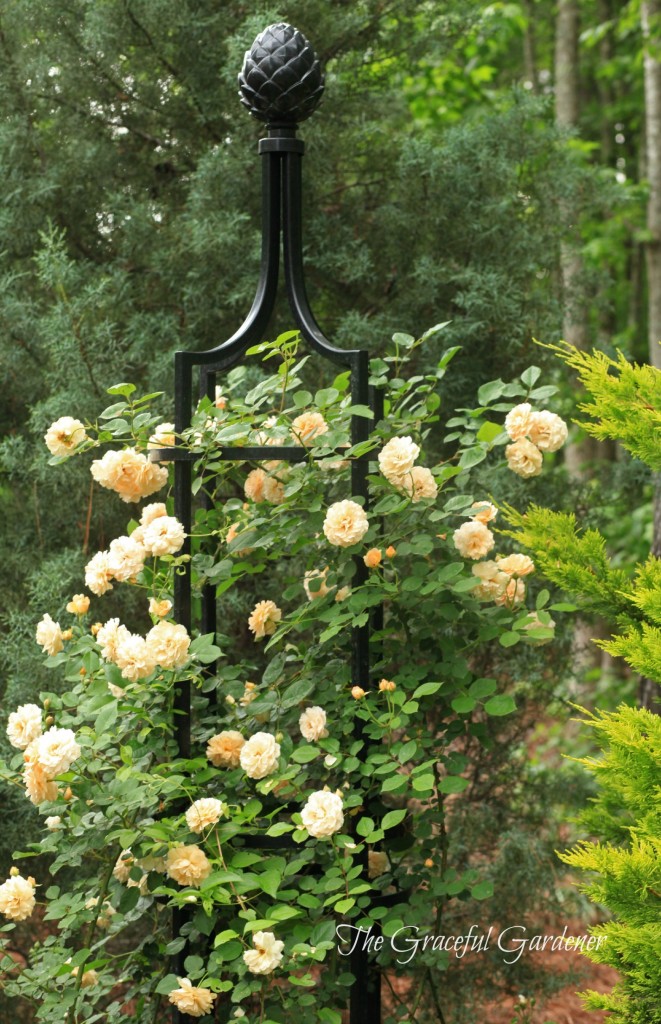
(442, 182)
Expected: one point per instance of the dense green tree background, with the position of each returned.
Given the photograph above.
(439, 186)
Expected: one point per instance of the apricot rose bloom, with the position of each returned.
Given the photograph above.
(167, 644)
(253, 488)
(547, 430)
(224, 749)
(345, 524)
(397, 457)
(133, 657)
(129, 473)
(419, 484)
(524, 458)
(516, 565)
(187, 865)
(517, 421)
(126, 558)
(195, 1002)
(203, 813)
(307, 426)
(473, 539)
(151, 512)
(79, 604)
(163, 536)
(484, 511)
(259, 755)
(49, 636)
(24, 725)
(312, 724)
(39, 787)
(55, 751)
(17, 897)
(98, 574)
(266, 955)
(264, 618)
(322, 815)
(64, 435)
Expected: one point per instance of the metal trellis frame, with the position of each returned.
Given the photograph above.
(281, 83)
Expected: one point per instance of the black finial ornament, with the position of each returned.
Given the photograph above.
(281, 81)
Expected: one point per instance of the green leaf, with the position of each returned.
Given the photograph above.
(393, 818)
(453, 784)
(482, 891)
(305, 754)
(342, 906)
(106, 718)
(509, 639)
(471, 457)
(425, 689)
(395, 783)
(407, 751)
(423, 783)
(542, 599)
(270, 881)
(167, 984)
(463, 705)
(365, 827)
(490, 391)
(530, 376)
(121, 389)
(489, 432)
(501, 704)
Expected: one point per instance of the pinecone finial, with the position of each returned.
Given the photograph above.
(281, 81)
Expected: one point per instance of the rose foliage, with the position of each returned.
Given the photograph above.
(351, 781)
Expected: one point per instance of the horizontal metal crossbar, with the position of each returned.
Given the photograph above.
(248, 454)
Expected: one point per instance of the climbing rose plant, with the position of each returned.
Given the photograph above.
(286, 745)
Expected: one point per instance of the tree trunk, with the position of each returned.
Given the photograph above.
(530, 46)
(650, 12)
(651, 21)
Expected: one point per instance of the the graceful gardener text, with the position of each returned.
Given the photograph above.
(406, 942)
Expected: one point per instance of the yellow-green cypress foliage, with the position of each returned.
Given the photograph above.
(625, 861)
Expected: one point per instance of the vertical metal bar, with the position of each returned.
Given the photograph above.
(183, 398)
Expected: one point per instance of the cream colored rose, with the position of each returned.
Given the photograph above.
(307, 426)
(343, 593)
(254, 485)
(163, 536)
(24, 725)
(109, 636)
(419, 484)
(274, 483)
(203, 813)
(53, 822)
(116, 691)
(79, 604)
(524, 458)
(517, 421)
(484, 511)
(320, 589)
(473, 539)
(126, 558)
(397, 458)
(322, 814)
(123, 866)
(345, 524)
(312, 724)
(264, 619)
(512, 595)
(547, 430)
(163, 437)
(106, 914)
(168, 643)
(39, 787)
(159, 608)
(196, 1002)
(377, 863)
(49, 635)
(17, 898)
(98, 575)
(89, 979)
(56, 751)
(63, 436)
(129, 473)
(516, 565)
(187, 865)
(224, 749)
(134, 657)
(249, 694)
(266, 955)
(259, 755)
(493, 581)
(151, 512)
